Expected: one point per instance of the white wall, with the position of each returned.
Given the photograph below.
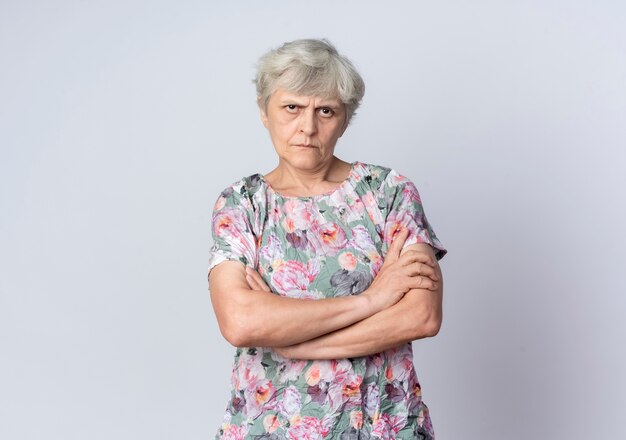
(120, 122)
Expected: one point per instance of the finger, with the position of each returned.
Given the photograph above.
(423, 283)
(395, 248)
(421, 269)
(259, 280)
(252, 283)
(420, 256)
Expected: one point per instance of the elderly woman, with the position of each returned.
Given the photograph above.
(322, 272)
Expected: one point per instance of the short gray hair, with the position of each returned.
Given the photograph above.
(310, 67)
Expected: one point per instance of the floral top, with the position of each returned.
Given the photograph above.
(317, 247)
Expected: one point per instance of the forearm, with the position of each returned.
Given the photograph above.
(417, 315)
(250, 315)
(263, 319)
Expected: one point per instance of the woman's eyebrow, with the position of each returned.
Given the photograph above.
(303, 102)
(293, 100)
(333, 105)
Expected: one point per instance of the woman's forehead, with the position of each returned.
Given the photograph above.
(283, 95)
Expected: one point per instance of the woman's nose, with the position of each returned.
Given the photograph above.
(308, 124)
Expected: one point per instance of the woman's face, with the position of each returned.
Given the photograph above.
(304, 129)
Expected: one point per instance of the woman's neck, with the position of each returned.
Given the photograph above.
(293, 181)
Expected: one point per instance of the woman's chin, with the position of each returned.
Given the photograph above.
(308, 160)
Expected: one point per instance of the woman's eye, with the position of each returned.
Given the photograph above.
(291, 107)
(325, 111)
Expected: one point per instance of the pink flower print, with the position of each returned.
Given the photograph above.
(313, 267)
(409, 215)
(311, 294)
(331, 370)
(395, 224)
(292, 278)
(356, 209)
(341, 370)
(231, 225)
(375, 260)
(274, 215)
(346, 207)
(404, 219)
(337, 200)
(220, 203)
(410, 194)
(401, 362)
(249, 369)
(318, 392)
(228, 222)
(347, 261)
(327, 238)
(398, 368)
(373, 364)
(307, 428)
(356, 419)
(317, 371)
(260, 393)
(297, 239)
(387, 426)
(396, 178)
(361, 239)
(423, 419)
(336, 401)
(395, 391)
(297, 216)
(352, 388)
(234, 432)
(371, 206)
(272, 250)
(287, 370)
(290, 403)
(271, 423)
(372, 400)
(415, 387)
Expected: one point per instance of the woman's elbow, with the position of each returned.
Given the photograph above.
(427, 326)
(432, 327)
(234, 319)
(236, 329)
(236, 335)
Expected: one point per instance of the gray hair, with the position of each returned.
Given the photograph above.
(310, 67)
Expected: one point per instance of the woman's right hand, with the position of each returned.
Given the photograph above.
(401, 273)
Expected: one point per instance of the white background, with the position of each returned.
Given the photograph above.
(121, 121)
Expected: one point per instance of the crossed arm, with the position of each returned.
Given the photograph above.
(249, 315)
(417, 315)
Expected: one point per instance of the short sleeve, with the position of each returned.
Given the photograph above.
(231, 228)
(405, 210)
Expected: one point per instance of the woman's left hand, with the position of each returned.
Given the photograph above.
(255, 281)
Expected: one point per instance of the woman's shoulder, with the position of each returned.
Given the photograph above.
(243, 193)
(244, 187)
(380, 177)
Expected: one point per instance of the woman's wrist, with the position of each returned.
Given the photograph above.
(368, 303)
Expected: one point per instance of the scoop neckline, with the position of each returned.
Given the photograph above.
(345, 182)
